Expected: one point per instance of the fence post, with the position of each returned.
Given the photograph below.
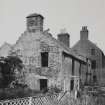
(30, 100)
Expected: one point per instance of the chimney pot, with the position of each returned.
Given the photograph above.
(84, 33)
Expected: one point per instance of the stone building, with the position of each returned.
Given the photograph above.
(49, 62)
(90, 50)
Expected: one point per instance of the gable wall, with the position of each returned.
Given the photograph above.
(29, 48)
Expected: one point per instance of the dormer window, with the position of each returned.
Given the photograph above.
(92, 51)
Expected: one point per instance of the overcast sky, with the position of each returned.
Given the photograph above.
(59, 14)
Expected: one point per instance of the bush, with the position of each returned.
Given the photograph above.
(20, 92)
(10, 93)
(54, 90)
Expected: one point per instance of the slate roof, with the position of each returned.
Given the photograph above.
(86, 42)
(67, 50)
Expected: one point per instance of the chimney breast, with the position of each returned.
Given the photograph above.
(64, 38)
(84, 33)
(35, 22)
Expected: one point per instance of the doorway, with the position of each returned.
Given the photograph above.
(43, 84)
(72, 85)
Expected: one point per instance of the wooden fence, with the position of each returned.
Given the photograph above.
(55, 99)
(63, 98)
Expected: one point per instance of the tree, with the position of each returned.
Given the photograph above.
(9, 66)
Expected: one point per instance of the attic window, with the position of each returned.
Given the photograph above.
(44, 59)
(92, 51)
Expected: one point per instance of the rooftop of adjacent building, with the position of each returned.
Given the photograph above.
(84, 38)
(64, 35)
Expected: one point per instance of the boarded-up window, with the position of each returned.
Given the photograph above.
(72, 85)
(68, 65)
(44, 59)
(83, 73)
(76, 68)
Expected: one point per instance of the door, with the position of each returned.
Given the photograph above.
(43, 84)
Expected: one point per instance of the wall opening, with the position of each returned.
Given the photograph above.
(94, 78)
(93, 64)
(72, 85)
(44, 59)
(73, 64)
(92, 51)
(43, 84)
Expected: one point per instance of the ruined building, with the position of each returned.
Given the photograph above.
(49, 62)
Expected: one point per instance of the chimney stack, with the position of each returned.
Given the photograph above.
(64, 38)
(84, 33)
(35, 22)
